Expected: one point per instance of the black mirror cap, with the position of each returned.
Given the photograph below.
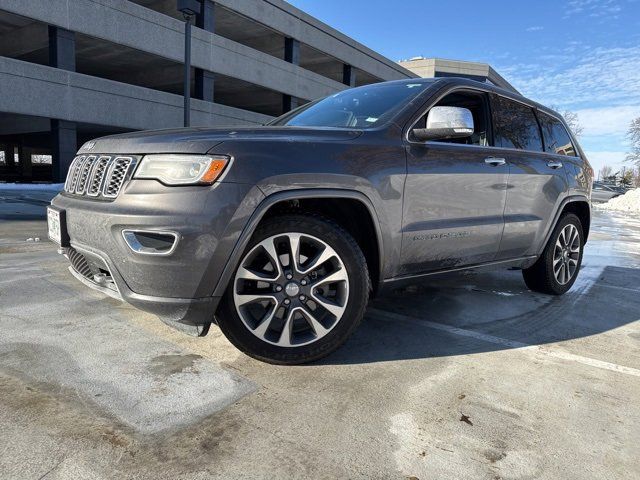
(426, 134)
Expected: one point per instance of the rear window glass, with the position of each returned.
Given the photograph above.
(515, 125)
(556, 137)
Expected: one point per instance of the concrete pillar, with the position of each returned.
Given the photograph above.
(289, 103)
(206, 18)
(292, 50)
(24, 156)
(348, 75)
(205, 80)
(291, 55)
(62, 54)
(62, 48)
(64, 147)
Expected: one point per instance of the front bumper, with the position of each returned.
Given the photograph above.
(177, 287)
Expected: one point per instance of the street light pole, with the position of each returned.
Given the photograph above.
(188, 8)
(187, 71)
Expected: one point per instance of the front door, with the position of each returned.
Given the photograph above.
(454, 196)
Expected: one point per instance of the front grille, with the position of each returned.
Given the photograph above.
(98, 176)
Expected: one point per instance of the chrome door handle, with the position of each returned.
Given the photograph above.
(554, 164)
(495, 161)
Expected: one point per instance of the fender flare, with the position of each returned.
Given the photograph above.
(297, 194)
(556, 217)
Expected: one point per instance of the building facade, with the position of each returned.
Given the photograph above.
(438, 67)
(71, 70)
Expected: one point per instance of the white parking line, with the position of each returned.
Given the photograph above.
(396, 317)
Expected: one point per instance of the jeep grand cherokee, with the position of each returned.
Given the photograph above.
(281, 233)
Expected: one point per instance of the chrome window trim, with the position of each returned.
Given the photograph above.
(493, 147)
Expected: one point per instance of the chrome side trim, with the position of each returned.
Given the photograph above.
(132, 242)
(458, 269)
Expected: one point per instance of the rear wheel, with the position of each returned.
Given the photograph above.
(299, 291)
(556, 270)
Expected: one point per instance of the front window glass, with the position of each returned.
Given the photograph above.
(476, 103)
(515, 125)
(363, 107)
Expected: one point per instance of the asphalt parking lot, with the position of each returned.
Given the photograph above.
(470, 378)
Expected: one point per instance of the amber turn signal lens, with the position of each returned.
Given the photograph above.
(213, 172)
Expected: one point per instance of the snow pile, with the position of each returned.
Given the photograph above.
(629, 202)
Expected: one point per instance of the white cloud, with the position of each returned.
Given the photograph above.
(607, 120)
(584, 79)
(535, 28)
(593, 8)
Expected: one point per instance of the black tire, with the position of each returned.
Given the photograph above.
(355, 264)
(540, 277)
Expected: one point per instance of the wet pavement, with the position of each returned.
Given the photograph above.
(472, 377)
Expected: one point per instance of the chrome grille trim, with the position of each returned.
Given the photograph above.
(74, 172)
(72, 168)
(116, 176)
(98, 175)
(83, 174)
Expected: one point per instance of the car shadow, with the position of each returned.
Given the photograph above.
(420, 321)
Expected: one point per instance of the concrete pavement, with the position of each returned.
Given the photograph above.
(468, 378)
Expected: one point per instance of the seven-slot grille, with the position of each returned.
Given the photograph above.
(97, 175)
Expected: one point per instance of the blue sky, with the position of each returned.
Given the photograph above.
(579, 55)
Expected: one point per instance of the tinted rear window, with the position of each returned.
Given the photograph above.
(515, 125)
(556, 137)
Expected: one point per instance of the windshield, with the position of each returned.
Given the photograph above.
(362, 107)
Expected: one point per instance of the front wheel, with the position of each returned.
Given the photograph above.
(299, 291)
(556, 270)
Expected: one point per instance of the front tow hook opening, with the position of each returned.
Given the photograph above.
(151, 242)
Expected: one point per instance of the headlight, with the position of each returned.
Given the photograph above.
(176, 169)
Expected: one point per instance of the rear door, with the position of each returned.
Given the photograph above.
(537, 179)
(454, 195)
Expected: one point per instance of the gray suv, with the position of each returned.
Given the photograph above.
(281, 234)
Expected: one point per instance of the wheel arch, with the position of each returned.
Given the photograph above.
(323, 202)
(576, 204)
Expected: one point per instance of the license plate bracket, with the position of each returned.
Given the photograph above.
(57, 226)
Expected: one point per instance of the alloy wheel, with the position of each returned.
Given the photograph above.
(291, 289)
(566, 254)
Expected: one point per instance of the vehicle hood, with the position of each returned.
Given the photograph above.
(201, 140)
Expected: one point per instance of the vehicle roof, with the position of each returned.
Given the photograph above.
(465, 82)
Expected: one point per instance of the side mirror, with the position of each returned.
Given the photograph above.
(444, 123)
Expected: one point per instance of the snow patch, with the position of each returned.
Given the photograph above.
(629, 202)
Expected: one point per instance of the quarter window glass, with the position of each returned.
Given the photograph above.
(556, 137)
(515, 125)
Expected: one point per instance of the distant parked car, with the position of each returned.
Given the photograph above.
(603, 193)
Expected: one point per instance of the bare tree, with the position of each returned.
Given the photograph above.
(633, 135)
(605, 172)
(573, 121)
